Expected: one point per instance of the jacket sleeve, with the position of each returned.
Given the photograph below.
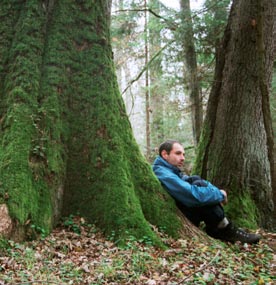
(189, 195)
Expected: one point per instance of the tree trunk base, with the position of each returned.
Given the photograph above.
(190, 231)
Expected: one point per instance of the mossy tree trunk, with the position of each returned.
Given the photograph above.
(66, 142)
(236, 148)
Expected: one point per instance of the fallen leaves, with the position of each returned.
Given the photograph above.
(86, 257)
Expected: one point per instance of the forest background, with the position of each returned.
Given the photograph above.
(140, 88)
(165, 60)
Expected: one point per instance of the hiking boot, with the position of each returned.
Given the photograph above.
(233, 234)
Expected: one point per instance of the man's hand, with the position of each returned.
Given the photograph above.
(224, 202)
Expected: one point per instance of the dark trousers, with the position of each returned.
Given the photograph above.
(210, 215)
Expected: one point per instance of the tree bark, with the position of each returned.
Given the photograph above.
(66, 141)
(236, 151)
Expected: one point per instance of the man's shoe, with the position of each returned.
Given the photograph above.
(233, 234)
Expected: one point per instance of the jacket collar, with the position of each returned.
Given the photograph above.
(162, 162)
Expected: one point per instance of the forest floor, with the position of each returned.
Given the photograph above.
(76, 253)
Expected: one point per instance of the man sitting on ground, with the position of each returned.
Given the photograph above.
(198, 199)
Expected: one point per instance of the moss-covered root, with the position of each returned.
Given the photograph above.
(243, 210)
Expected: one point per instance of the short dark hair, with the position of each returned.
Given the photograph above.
(167, 146)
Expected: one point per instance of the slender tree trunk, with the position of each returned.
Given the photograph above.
(191, 78)
(237, 143)
(147, 83)
(65, 136)
(157, 92)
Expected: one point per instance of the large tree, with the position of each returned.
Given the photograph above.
(236, 149)
(66, 143)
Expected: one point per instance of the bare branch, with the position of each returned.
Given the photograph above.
(171, 25)
(146, 67)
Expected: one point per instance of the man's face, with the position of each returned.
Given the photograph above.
(177, 155)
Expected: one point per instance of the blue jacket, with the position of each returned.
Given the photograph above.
(184, 192)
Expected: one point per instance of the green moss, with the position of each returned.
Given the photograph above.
(107, 179)
(65, 125)
(4, 245)
(242, 210)
(29, 197)
(158, 207)
(24, 165)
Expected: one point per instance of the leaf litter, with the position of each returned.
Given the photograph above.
(82, 255)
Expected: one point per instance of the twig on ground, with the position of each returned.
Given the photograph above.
(37, 281)
(200, 269)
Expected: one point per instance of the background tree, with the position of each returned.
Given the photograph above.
(236, 145)
(165, 73)
(166, 63)
(273, 112)
(209, 24)
(191, 78)
(157, 88)
(65, 136)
